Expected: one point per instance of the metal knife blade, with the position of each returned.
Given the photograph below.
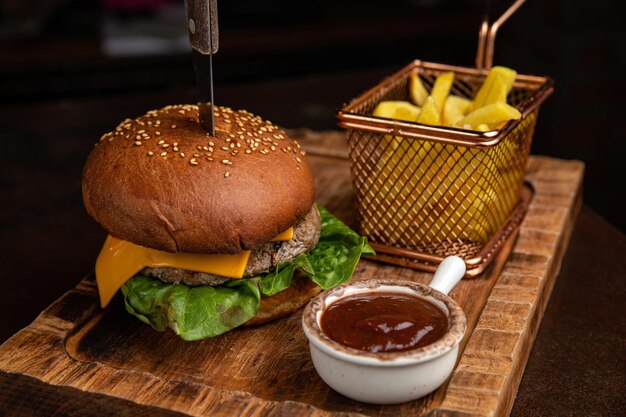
(203, 36)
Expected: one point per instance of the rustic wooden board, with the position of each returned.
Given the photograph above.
(118, 366)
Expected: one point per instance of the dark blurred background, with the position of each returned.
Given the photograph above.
(70, 70)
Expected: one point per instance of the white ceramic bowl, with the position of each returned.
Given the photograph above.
(386, 377)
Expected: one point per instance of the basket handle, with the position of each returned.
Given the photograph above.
(487, 34)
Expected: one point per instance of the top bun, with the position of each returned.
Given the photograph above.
(162, 182)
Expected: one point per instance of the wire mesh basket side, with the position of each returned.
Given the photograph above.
(433, 197)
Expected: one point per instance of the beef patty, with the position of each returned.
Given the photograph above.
(263, 258)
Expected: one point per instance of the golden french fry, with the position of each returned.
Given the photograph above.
(507, 76)
(429, 115)
(417, 91)
(497, 93)
(454, 109)
(490, 115)
(441, 88)
(400, 110)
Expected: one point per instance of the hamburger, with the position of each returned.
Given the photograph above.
(208, 233)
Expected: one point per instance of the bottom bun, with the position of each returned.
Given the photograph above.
(301, 290)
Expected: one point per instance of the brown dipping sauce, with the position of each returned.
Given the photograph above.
(384, 322)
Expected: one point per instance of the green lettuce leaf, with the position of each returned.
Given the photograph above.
(280, 279)
(339, 249)
(202, 312)
(193, 313)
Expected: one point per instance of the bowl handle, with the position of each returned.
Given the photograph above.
(448, 274)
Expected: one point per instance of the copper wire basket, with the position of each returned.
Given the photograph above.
(426, 192)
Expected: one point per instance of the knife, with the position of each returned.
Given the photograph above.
(203, 37)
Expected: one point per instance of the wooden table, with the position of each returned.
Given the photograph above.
(48, 244)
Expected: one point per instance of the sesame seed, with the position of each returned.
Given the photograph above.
(273, 147)
(141, 131)
(138, 142)
(165, 145)
(227, 174)
(224, 148)
(206, 148)
(211, 144)
(175, 148)
(182, 154)
(163, 153)
(161, 142)
(173, 126)
(150, 153)
(193, 162)
(298, 159)
(232, 145)
(225, 161)
(157, 133)
(248, 151)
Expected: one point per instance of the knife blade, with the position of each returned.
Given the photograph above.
(204, 40)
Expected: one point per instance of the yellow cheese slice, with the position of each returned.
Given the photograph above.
(119, 260)
(284, 236)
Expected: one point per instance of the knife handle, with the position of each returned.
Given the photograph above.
(202, 25)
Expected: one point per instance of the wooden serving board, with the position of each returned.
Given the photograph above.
(78, 359)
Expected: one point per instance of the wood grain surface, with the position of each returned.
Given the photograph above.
(75, 353)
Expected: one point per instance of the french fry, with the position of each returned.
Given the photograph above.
(490, 115)
(417, 91)
(454, 109)
(429, 115)
(508, 78)
(400, 110)
(441, 88)
(497, 93)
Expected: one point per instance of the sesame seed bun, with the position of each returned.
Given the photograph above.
(160, 181)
